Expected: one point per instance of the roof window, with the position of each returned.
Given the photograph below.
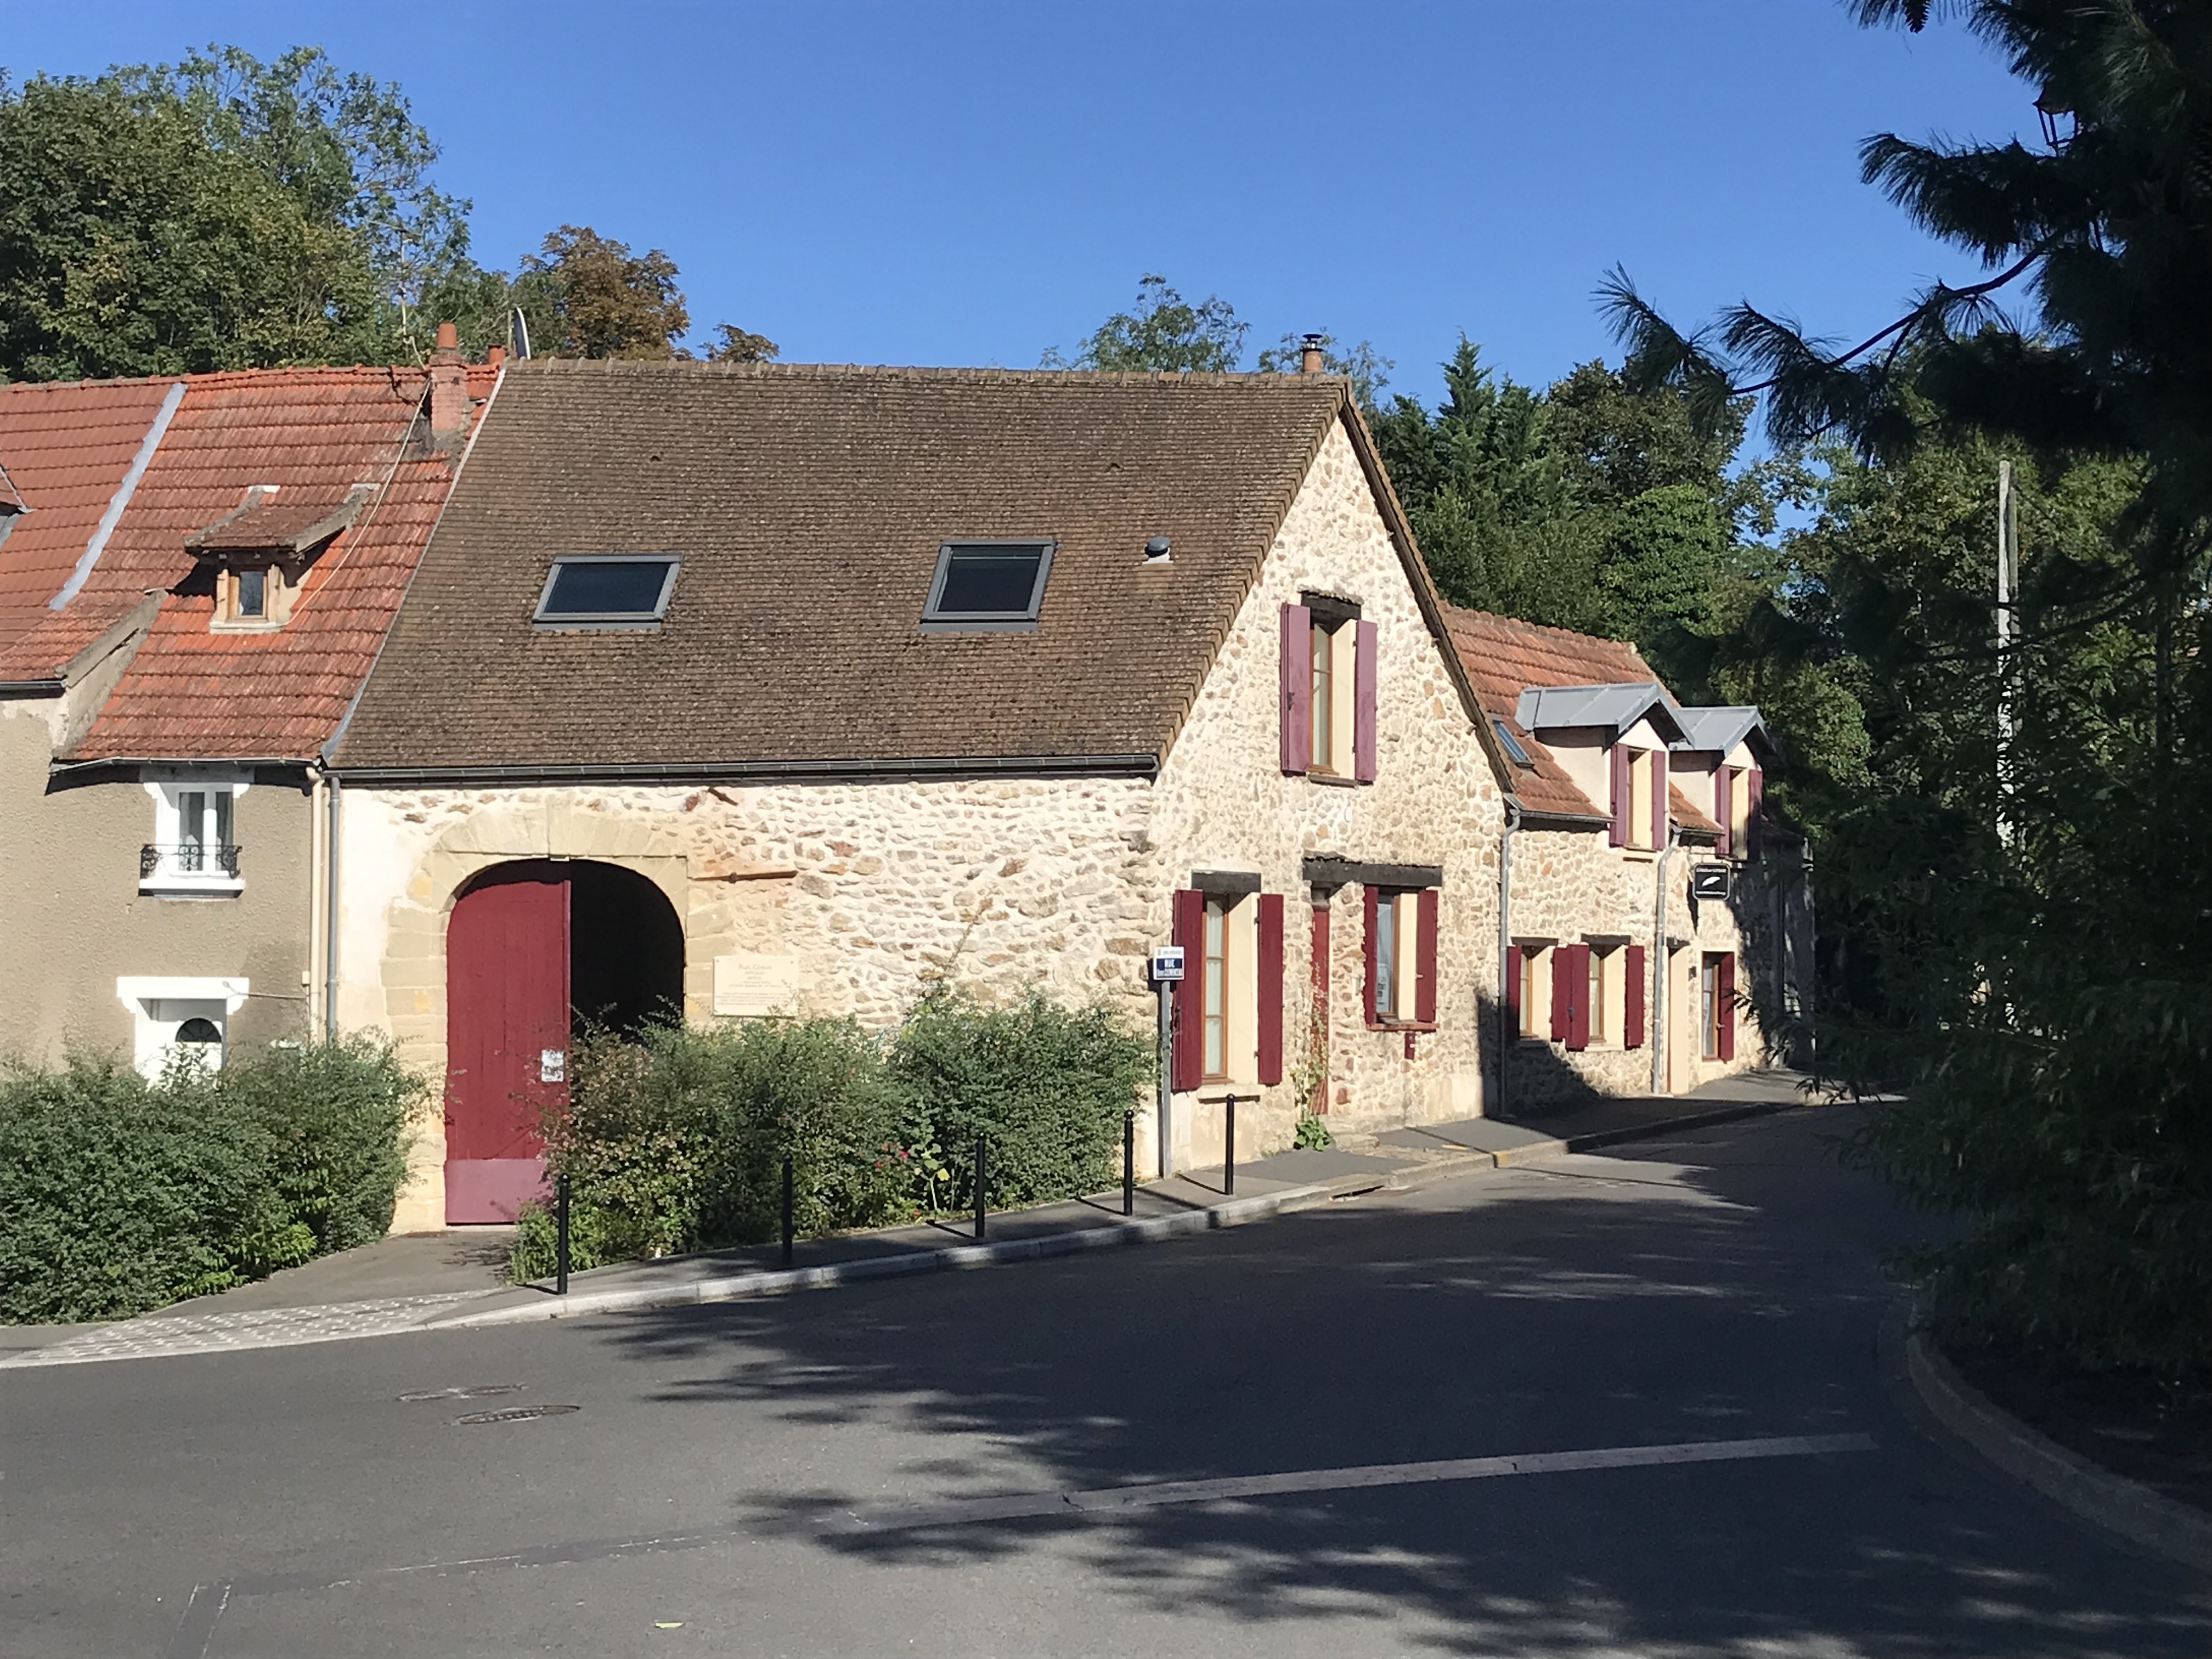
(1512, 745)
(607, 590)
(986, 586)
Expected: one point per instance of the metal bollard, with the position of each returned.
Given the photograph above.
(1229, 1145)
(560, 1235)
(789, 1224)
(979, 1187)
(1128, 1162)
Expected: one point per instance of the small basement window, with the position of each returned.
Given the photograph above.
(607, 590)
(983, 586)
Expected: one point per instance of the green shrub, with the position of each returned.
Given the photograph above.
(123, 1195)
(674, 1140)
(1044, 1087)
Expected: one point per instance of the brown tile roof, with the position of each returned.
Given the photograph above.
(1504, 655)
(67, 446)
(808, 504)
(191, 693)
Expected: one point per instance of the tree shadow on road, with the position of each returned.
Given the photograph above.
(1665, 1295)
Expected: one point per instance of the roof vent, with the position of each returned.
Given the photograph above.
(1156, 550)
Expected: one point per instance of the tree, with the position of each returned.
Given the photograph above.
(1162, 331)
(2027, 957)
(587, 296)
(738, 345)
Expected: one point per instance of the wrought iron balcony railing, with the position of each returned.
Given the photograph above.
(191, 858)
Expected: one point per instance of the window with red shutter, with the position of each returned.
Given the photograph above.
(1660, 809)
(1724, 806)
(1756, 783)
(1724, 1007)
(1425, 958)
(1572, 967)
(1370, 940)
(1623, 793)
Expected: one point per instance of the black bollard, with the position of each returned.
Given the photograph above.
(788, 1223)
(560, 1235)
(979, 1188)
(1128, 1162)
(1229, 1145)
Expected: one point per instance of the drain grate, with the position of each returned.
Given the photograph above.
(477, 1393)
(517, 1414)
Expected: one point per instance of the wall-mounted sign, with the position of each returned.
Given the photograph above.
(552, 1065)
(748, 982)
(1709, 881)
(1167, 963)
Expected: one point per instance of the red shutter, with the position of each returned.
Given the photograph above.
(1661, 809)
(1723, 805)
(1367, 950)
(1362, 705)
(1515, 957)
(1631, 1002)
(1724, 1005)
(1271, 988)
(1188, 1051)
(1424, 957)
(1563, 1013)
(1296, 659)
(1616, 836)
(1757, 787)
(1577, 995)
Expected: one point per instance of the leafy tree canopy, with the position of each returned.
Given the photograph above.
(1162, 331)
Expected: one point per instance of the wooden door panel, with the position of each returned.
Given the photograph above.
(506, 1002)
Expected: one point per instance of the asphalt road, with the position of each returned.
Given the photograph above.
(885, 1469)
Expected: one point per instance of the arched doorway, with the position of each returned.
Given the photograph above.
(533, 949)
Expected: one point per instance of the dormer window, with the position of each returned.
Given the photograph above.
(259, 553)
(1512, 745)
(986, 586)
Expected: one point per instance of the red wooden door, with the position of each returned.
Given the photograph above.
(506, 1036)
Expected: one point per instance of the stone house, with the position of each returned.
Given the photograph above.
(1652, 912)
(195, 572)
(746, 688)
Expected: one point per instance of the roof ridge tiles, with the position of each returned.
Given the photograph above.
(990, 375)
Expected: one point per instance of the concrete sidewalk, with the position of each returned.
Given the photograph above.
(454, 1279)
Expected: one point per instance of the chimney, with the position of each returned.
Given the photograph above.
(449, 388)
(1312, 358)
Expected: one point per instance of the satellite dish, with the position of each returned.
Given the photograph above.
(518, 333)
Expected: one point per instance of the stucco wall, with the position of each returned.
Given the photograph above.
(75, 921)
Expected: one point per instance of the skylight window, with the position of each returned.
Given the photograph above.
(607, 590)
(983, 586)
(1512, 745)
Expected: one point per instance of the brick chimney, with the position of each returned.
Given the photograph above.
(1311, 359)
(449, 388)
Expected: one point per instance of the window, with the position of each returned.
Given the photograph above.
(194, 845)
(1601, 1006)
(1512, 745)
(251, 597)
(1214, 991)
(180, 1020)
(1322, 757)
(1716, 1005)
(607, 591)
(253, 592)
(987, 586)
(1402, 956)
(1534, 989)
(1639, 796)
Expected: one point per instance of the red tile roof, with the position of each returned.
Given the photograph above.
(1504, 655)
(67, 446)
(193, 694)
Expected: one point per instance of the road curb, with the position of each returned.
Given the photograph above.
(781, 1281)
(1664, 1127)
(2150, 1518)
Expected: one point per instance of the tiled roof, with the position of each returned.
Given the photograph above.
(1505, 656)
(191, 694)
(281, 523)
(808, 504)
(67, 446)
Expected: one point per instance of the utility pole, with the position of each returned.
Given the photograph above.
(2008, 585)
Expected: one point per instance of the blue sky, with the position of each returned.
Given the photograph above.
(973, 183)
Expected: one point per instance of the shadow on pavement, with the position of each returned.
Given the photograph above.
(1718, 1288)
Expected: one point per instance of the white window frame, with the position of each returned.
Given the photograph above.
(170, 876)
(161, 1003)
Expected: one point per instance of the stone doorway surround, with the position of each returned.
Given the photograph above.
(714, 898)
